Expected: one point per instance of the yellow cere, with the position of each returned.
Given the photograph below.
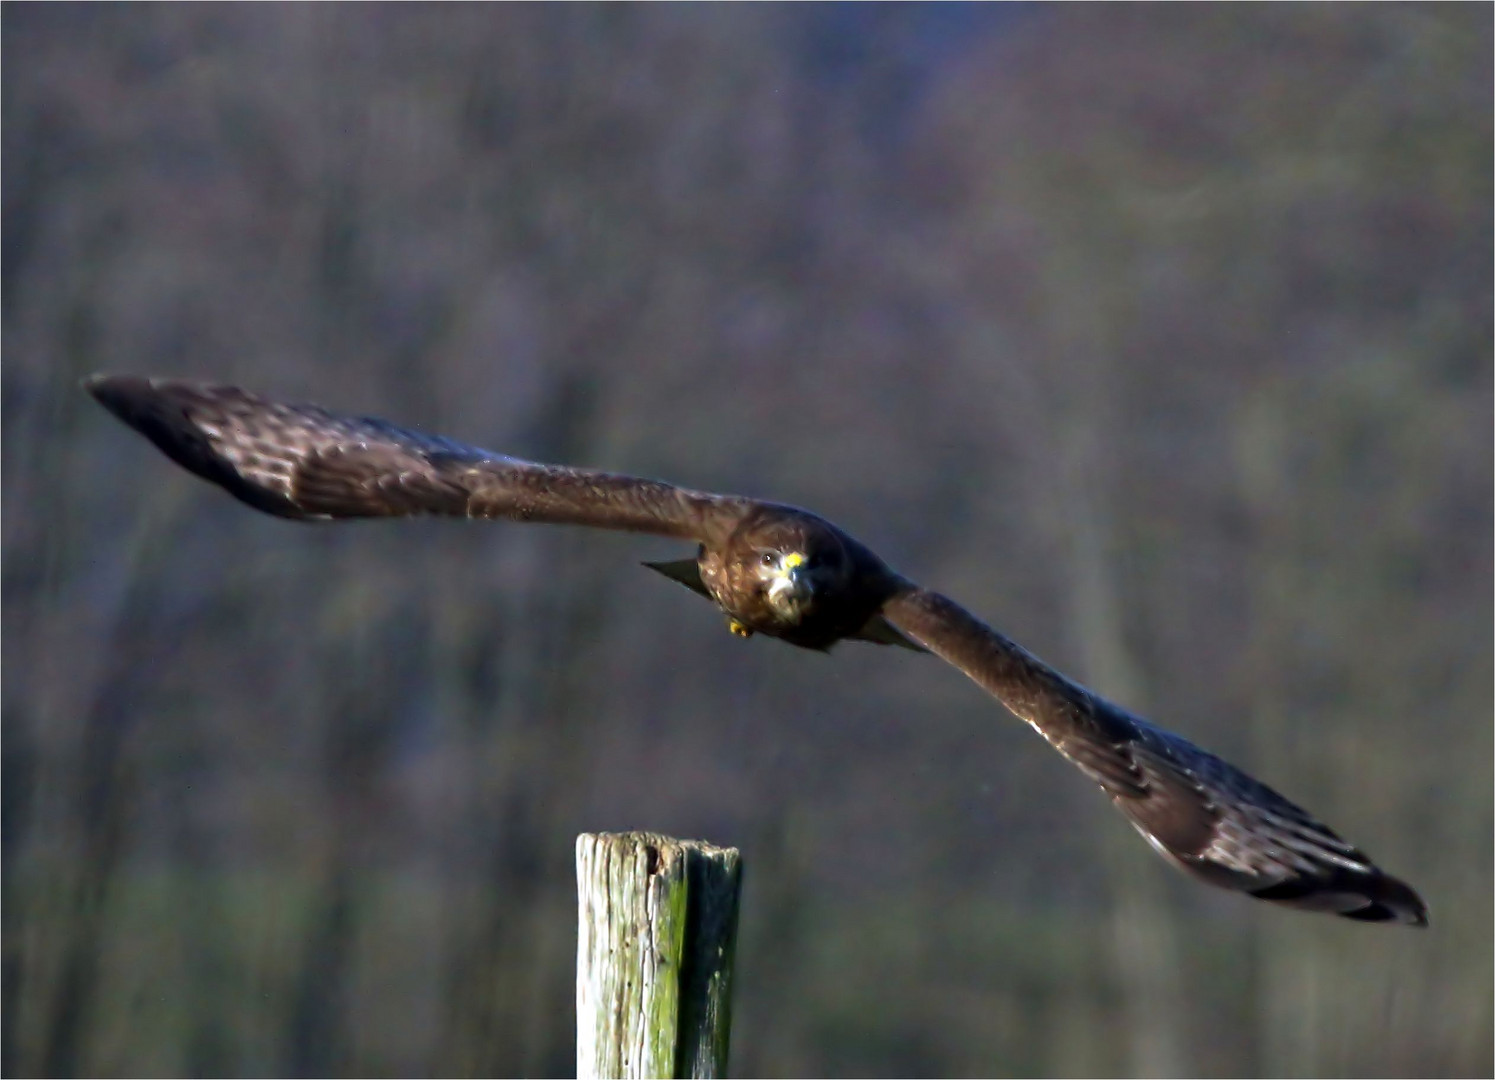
(792, 560)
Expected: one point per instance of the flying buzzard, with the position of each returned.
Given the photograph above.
(781, 571)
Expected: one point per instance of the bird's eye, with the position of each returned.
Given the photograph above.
(767, 558)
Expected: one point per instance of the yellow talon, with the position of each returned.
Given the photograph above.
(738, 628)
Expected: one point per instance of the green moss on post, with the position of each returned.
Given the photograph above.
(657, 928)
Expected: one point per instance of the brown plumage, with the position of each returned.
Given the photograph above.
(784, 572)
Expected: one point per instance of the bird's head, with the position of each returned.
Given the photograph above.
(793, 564)
(789, 582)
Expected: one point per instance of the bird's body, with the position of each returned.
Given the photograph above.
(783, 572)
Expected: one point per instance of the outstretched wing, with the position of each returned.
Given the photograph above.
(301, 461)
(1201, 813)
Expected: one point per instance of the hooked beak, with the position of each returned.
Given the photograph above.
(792, 587)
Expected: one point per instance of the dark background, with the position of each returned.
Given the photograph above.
(1161, 337)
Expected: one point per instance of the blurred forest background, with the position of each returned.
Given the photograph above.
(1160, 337)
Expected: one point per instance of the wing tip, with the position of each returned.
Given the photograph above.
(1373, 897)
(136, 399)
(120, 394)
(158, 410)
(1390, 899)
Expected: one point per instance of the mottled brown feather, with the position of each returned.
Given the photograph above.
(1201, 813)
(302, 461)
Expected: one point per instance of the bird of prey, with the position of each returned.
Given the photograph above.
(786, 573)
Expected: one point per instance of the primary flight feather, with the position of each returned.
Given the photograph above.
(781, 571)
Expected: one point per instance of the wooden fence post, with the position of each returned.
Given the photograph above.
(655, 940)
